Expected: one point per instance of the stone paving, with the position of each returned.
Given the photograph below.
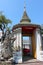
(31, 61)
(37, 63)
(28, 63)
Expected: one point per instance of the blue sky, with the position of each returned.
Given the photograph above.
(13, 9)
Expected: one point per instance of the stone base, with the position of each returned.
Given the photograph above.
(18, 61)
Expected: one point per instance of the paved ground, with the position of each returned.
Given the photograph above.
(28, 63)
(37, 63)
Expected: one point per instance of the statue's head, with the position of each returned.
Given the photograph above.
(7, 32)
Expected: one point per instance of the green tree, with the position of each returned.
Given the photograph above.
(4, 22)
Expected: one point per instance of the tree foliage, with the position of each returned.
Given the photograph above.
(4, 21)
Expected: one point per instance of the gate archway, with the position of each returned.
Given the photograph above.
(30, 32)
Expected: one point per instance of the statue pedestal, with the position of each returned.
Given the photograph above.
(17, 57)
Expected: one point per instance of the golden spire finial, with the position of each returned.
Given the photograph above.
(24, 5)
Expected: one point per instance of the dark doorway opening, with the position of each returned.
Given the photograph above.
(27, 48)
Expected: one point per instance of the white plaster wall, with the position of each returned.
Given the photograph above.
(41, 55)
(18, 35)
(18, 42)
(38, 43)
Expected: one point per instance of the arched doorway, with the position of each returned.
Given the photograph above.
(29, 41)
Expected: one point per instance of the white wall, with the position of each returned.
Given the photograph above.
(18, 42)
(38, 43)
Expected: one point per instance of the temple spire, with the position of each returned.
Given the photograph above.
(25, 18)
(24, 5)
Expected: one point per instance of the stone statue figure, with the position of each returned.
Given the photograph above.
(7, 45)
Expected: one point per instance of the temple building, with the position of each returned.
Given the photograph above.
(33, 33)
(23, 43)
